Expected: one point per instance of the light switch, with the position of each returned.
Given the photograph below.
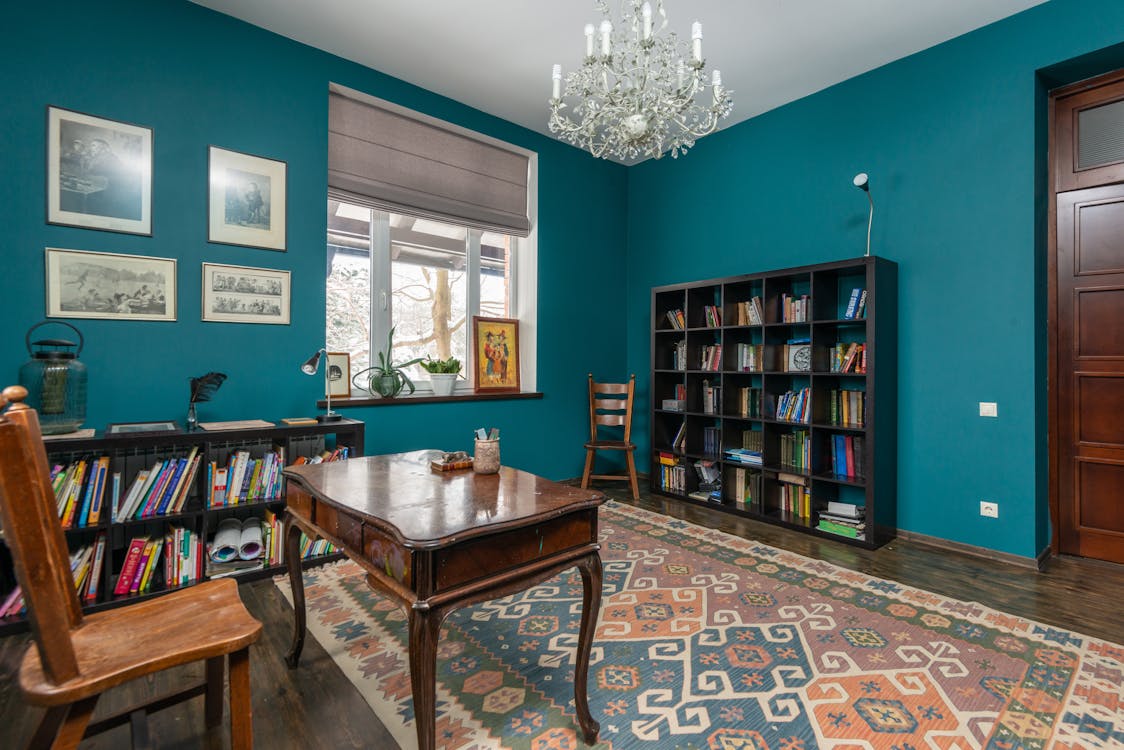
(989, 409)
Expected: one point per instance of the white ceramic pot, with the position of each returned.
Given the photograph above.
(443, 383)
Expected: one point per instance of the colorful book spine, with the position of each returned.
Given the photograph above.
(129, 566)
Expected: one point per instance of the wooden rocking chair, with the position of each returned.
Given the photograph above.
(77, 658)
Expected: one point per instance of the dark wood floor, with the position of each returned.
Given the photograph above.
(316, 707)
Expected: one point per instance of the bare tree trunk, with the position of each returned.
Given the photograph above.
(442, 304)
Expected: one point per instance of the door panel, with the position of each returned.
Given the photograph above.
(1090, 366)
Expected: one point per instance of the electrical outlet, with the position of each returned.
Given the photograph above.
(989, 509)
(989, 409)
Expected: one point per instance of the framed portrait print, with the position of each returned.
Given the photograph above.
(339, 374)
(495, 342)
(237, 294)
(99, 173)
(245, 200)
(82, 284)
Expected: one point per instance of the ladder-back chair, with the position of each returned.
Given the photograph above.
(610, 406)
(77, 657)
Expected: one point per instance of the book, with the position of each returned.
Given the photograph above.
(853, 304)
(129, 566)
(96, 568)
(298, 420)
(239, 424)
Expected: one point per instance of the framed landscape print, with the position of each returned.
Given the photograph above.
(496, 344)
(339, 374)
(82, 284)
(236, 294)
(246, 200)
(99, 173)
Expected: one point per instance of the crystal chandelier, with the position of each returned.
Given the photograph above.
(642, 93)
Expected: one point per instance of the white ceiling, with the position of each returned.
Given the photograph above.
(496, 55)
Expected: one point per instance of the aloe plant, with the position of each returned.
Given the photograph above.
(388, 378)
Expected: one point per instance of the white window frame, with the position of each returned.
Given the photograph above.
(523, 302)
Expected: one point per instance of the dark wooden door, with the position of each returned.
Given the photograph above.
(1088, 320)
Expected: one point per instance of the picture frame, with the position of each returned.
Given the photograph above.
(126, 429)
(99, 173)
(495, 344)
(240, 294)
(109, 286)
(246, 200)
(339, 374)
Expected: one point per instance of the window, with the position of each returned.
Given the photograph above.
(426, 278)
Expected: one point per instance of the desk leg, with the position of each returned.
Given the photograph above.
(296, 583)
(590, 568)
(424, 628)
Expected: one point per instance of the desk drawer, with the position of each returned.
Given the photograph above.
(345, 528)
(388, 555)
(298, 501)
(497, 553)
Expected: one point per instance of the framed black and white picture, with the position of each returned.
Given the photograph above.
(237, 294)
(339, 374)
(246, 200)
(82, 284)
(99, 173)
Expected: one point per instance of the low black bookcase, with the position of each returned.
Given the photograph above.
(131, 454)
(774, 396)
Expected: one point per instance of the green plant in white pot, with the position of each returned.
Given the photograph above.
(442, 374)
(388, 377)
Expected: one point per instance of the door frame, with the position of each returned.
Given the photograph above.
(1055, 160)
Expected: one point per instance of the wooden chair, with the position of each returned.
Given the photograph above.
(77, 658)
(615, 412)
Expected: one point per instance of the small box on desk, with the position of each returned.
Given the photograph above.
(673, 404)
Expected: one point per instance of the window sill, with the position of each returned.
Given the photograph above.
(343, 403)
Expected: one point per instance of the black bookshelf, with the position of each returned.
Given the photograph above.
(129, 454)
(783, 491)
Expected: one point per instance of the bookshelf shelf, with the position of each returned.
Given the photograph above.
(784, 337)
(128, 456)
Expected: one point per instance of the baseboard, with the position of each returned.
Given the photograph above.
(1032, 563)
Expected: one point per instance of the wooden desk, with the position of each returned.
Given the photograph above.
(435, 541)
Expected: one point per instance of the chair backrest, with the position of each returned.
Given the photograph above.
(611, 412)
(34, 536)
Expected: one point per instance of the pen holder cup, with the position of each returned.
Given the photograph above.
(487, 457)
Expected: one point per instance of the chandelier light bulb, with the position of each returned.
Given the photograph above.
(644, 93)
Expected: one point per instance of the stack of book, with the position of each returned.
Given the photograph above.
(847, 454)
(745, 489)
(86, 565)
(793, 406)
(141, 558)
(749, 402)
(795, 309)
(711, 398)
(856, 305)
(710, 482)
(795, 497)
(796, 450)
(160, 491)
(848, 357)
(677, 320)
(743, 456)
(679, 356)
(843, 519)
(80, 489)
(847, 408)
(713, 315)
(749, 357)
(679, 442)
(751, 313)
(711, 359)
(673, 475)
(712, 439)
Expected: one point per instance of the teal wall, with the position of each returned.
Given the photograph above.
(954, 139)
(198, 78)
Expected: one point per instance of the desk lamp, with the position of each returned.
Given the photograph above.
(309, 368)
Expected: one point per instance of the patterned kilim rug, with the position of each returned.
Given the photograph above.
(711, 641)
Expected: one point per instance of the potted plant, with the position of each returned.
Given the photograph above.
(388, 378)
(442, 374)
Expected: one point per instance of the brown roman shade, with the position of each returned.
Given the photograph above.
(408, 162)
